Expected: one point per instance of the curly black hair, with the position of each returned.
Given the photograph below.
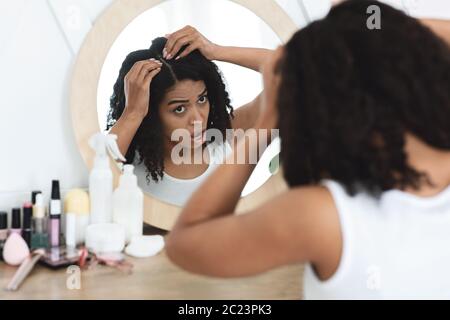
(348, 95)
(148, 141)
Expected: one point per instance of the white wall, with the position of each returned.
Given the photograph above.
(39, 40)
(36, 59)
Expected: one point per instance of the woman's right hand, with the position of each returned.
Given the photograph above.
(137, 87)
(193, 39)
(268, 113)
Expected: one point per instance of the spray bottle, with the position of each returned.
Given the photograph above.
(100, 178)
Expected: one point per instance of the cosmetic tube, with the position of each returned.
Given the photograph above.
(76, 209)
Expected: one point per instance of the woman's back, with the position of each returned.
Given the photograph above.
(382, 125)
(396, 246)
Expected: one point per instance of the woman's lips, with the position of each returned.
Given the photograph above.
(201, 133)
(201, 137)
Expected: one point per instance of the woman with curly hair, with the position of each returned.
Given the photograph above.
(364, 119)
(174, 85)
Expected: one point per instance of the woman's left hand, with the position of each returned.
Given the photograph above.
(191, 37)
(268, 115)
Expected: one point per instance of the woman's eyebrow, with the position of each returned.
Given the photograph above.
(185, 101)
(203, 93)
(177, 101)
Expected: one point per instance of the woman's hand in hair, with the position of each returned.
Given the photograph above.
(268, 114)
(137, 87)
(191, 37)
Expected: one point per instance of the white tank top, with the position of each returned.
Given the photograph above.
(394, 247)
(177, 191)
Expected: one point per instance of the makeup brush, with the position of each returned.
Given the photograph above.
(24, 269)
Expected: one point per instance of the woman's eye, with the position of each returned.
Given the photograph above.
(203, 99)
(179, 109)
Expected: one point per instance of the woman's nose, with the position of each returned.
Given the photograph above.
(196, 116)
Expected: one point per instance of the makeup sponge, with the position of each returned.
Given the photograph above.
(15, 250)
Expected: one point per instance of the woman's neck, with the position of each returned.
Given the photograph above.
(432, 161)
(193, 166)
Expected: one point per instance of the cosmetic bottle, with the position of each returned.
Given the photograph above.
(33, 196)
(15, 223)
(27, 214)
(3, 231)
(100, 177)
(39, 235)
(128, 204)
(55, 215)
(76, 209)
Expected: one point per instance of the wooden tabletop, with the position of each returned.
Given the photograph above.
(152, 278)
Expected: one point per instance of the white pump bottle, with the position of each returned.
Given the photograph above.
(100, 178)
(128, 204)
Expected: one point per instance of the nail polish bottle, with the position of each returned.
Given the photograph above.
(26, 232)
(15, 224)
(3, 231)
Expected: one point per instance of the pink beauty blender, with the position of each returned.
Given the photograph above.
(15, 250)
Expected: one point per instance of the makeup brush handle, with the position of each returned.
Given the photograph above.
(23, 271)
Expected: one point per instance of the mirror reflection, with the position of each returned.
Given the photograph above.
(195, 73)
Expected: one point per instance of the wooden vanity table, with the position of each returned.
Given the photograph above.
(152, 278)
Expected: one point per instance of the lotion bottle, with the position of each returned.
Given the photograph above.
(128, 204)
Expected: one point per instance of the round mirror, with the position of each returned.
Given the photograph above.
(123, 29)
(211, 18)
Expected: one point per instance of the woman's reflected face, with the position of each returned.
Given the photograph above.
(185, 104)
